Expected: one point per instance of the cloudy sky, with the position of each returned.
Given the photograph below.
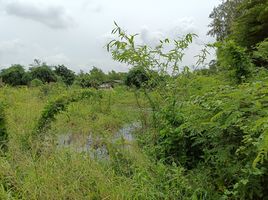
(74, 32)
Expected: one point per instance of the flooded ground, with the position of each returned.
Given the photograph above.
(96, 146)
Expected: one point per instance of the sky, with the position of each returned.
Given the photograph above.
(74, 32)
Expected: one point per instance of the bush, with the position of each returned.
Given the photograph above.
(36, 82)
(137, 77)
(43, 73)
(224, 131)
(260, 56)
(67, 75)
(15, 75)
(234, 61)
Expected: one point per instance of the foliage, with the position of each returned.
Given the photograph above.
(210, 130)
(43, 73)
(223, 17)
(67, 75)
(94, 78)
(115, 76)
(261, 54)
(137, 77)
(36, 82)
(250, 28)
(3, 130)
(53, 108)
(234, 61)
(224, 131)
(15, 75)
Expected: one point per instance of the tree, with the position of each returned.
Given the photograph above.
(66, 74)
(251, 26)
(223, 17)
(137, 77)
(44, 73)
(15, 75)
(94, 78)
(113, 75)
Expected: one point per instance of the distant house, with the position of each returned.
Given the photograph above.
(118, 81)
(106, 85)
(110, 84)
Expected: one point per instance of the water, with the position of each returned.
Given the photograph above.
(96, 146)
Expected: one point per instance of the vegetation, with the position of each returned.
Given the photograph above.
(199, 134)
(3, 130)
(15, 75)
(67, 75)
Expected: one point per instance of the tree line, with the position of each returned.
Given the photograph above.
(41, 73)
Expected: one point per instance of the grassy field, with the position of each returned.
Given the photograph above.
(62, 173)
(73, 143)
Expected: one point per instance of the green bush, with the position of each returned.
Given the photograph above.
(137, 77)
(15, 75)
(223, 131)
(36, 82)
(43, 73)
(234, 61)
(67, 75)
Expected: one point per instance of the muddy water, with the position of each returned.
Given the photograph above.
(95, 146)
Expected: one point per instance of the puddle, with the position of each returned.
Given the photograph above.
(95, 146)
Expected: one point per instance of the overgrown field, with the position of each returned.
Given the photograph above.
(209, 141)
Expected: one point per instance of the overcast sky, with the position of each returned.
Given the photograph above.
(74, 32)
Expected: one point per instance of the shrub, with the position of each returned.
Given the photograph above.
(67, 75)
(234, 61)
(36, 82)
(223, 131)
(15, 75)
(43, 73)
(137, 77)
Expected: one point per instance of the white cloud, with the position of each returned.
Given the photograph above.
(183, 26)
(57, 59)
(10, 46)
(151, 37)
(55, 17)
(36, 23)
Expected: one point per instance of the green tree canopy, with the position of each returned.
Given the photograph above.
(222, 18)
(44, 73)
(137, 77)
(15, 75)
(66, 74)
(251, 27)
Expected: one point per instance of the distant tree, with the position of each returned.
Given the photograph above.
(44, 73)
(94, 78)
(67, 75)
(251, 26)
(137, 77)
(15, 75)
(223, 17)
(113, 75)
(83, 80)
